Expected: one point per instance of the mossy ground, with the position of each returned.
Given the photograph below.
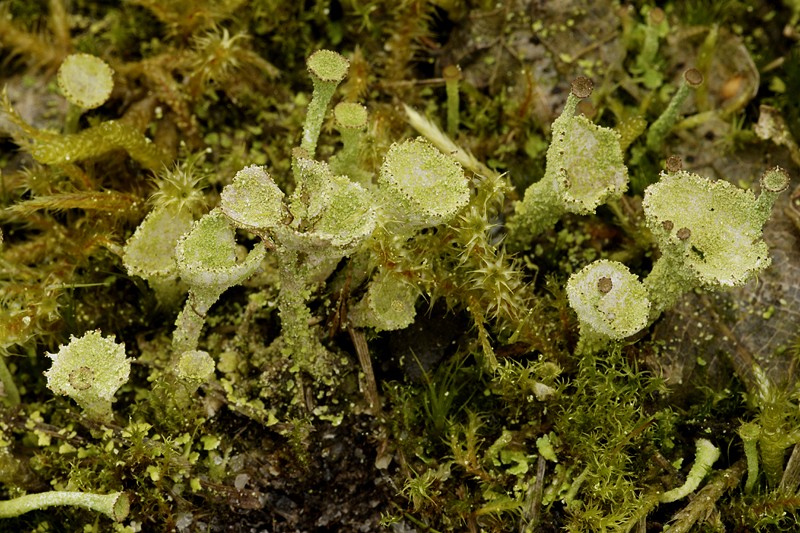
(485, 419)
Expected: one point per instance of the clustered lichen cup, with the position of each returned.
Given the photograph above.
(710, 237)
(709, 233)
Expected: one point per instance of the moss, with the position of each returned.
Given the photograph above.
(326, 254)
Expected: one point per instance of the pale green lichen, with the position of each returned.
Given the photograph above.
(327, 70)
(330, 217)
(610, 301)
(327, 216)
(709, 233)
(253, 200)
(388, 304)
(705, 457)
(659, 129)
(90, 370)
(115, 505)
(750, 432)
(85, 80)
(452, 75)
(150, 252)
(207, 261)
(585, 169)
(421, 187)
(192, 369)
(351, 122)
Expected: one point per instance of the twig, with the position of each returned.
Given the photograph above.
(371, 392)
(791, 475)
(535, 493)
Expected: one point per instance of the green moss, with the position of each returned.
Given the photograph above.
(321, 274)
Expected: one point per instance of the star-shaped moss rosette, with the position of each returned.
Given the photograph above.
(90, 370)
(610, 301)
(421, 187)
(584, 169)
(207, 262)
(709, 233)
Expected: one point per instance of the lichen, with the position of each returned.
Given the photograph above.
(476, 327)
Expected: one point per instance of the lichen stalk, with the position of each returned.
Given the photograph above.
(542, 210)
(705, 457)
(668, 280)
(663, 125)
(189, 323)
(351, 122)
(773, 182)
(749, 433)
(115, 505)
(327, 70)
(300, 339)
(452, 76)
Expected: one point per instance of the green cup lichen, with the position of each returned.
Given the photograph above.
(85, 80)
(709, 233)
(90, 370)
(420, 186)
(327, 218)
(327, 70)
(207, 261)
(610, 301)
(351, 123)
(585, 169)
(388, 304)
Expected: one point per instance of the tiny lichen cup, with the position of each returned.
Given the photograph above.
(350, 119)
(388, 304)
(90, 370)
(610, 301)
(421, 186)
(85, 80)
(327, 70)
(207, 262)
